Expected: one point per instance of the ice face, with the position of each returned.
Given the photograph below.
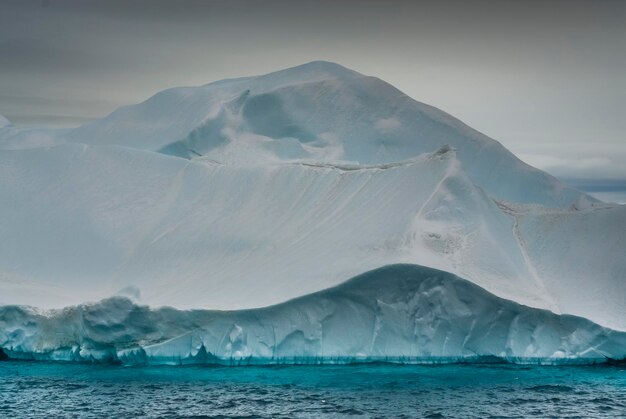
(400, 313)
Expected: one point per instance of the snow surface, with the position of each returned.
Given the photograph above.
(320, 111)
(589, 249)
(400, 313)
(17, 138)
(250, 192)
(198, 234)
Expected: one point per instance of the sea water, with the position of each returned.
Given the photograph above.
(37, 389)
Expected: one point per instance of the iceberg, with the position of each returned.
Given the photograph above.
(397, 313)
(250, 192)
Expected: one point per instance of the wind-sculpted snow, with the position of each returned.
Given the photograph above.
(400, 313)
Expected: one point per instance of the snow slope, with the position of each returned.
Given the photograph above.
(585, 249)
(320, 111)
(197, 234)
(194, 234)
(400, 313)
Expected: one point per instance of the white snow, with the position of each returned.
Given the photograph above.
(194, 234)
(290, 114)
(400, 313)
(588, 249)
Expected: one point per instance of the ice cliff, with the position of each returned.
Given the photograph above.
(398, 313)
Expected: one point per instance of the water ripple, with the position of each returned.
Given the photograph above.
(34, 390)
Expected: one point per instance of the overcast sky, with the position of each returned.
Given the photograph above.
(545, 78)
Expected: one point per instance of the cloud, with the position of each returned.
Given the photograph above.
(579, 166)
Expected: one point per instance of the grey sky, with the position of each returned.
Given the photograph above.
(545, 78)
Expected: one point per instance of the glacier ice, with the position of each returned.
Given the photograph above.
(249, 192)
(398, 313)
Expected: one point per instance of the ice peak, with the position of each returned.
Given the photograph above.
(321, 66)
(304, 73)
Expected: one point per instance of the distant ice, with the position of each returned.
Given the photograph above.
(617, 197)
(4, 122)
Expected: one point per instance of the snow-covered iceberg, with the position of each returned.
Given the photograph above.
(249, 192)
(398, 313)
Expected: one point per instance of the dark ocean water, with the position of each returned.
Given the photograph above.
(32, 389)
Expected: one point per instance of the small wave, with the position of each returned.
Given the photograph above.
(550, 388)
